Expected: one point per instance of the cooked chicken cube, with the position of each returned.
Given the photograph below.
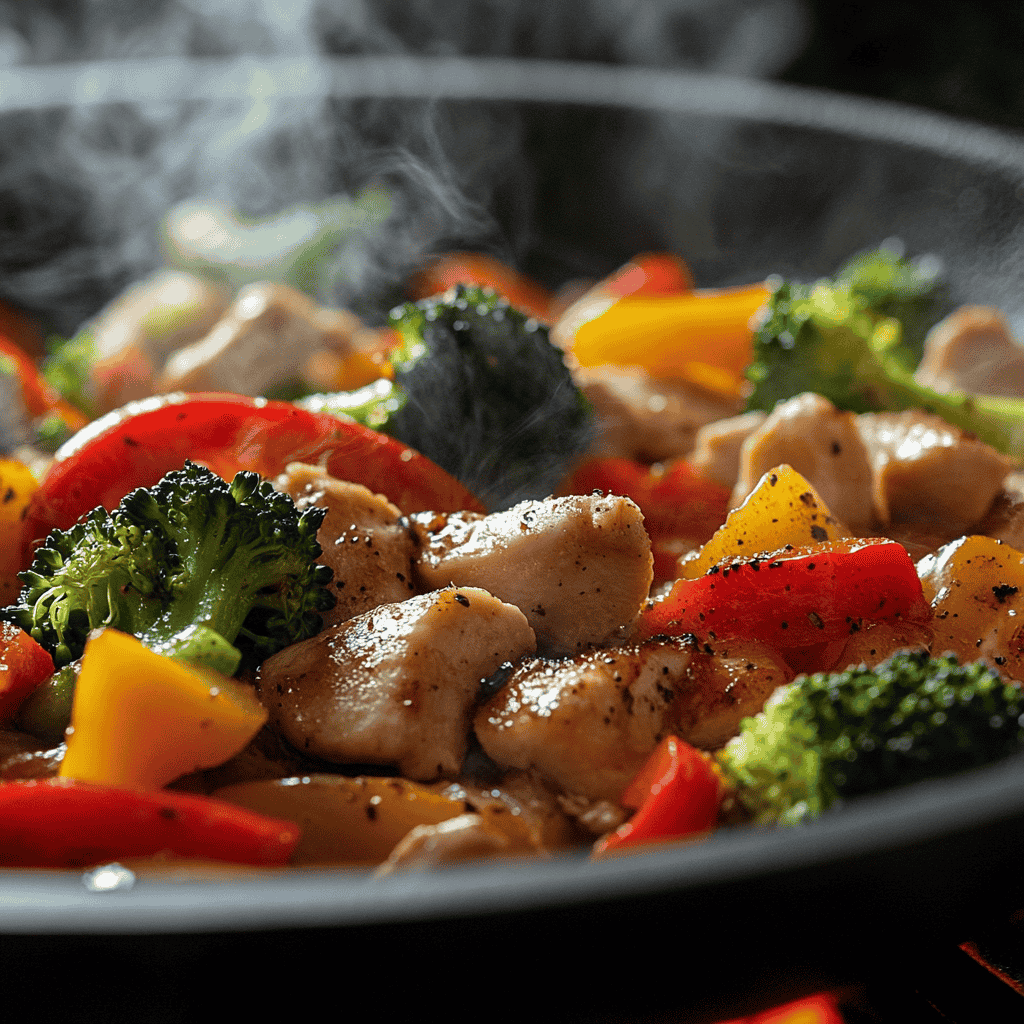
(364, 540)
(395, 685)
(972, 350)
(717, 446)
(645, 417)
(260, 343)
(588, 723)
(926, 471)
(137, 332)
(578, 567)
(822, 444)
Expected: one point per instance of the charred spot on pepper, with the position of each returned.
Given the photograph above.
(1004, 592)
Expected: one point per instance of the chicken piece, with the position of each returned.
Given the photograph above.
(972, 350)
(822, 444)
(648, 418)
(260, 343)
(395, 685)
(25, 757)
(137, 332)
(929, 473)
(1004, 519)
(880, 640)
(578, 567)
(467, 837)
(364, 540)
(717, 446)
(588, 723)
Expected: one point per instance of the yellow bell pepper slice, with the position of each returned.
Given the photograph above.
(140, 720)
(17, 485)
(703, 336)
(784, 508)
(976, 588)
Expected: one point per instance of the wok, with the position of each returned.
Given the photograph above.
(580, 167)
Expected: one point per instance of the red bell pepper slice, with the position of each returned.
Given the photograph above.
(63, 823)
(454, 268)
(677, 793)
(795, 597)
(650, 273)
(675, 500)
(135, 446)
(24, 664)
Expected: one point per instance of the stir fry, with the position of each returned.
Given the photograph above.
(518, 572)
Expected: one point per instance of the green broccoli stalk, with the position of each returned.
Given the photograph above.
(192, 566)
(856, 340)
(826, 737)
(479, 389)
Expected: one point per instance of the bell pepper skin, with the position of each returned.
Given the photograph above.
(649, 273)
(24, 664)
(677, 793)
(469, 268)
(140, 719)
(64, 823)
(136, 445)
(794, 597)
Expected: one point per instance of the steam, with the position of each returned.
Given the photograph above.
(84, 186)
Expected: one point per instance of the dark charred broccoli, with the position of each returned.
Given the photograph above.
(830, 736)
(857, 339)
(479, 389)
(193, 566)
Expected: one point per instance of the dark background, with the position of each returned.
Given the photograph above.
(964, 59)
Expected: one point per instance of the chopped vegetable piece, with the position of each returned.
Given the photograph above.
(783, 510)
(17, 486)
(141, 720)
(794, 597)
(650, 273)
(480, 389)
(474, 268)
(829, 338)
(677, 793)
(135, 446)
(703, 336)
(24, 664)
(822, 1008)
(826, 737)
(976, 588)
(192, 565)
(103, 823)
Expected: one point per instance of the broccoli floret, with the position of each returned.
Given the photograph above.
(68, 368)
(856, 340)
(479, 389)
(830, 736)
(193, 566)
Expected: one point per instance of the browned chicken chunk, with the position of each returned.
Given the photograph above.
(395, 685)
(364, 540)
(579, 567)
(717, 447)
(588, 723)
(645, 417)
(972, 350)
(926, 471)
(822, 444)
(260, 343)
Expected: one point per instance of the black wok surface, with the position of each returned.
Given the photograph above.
(590, 165)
